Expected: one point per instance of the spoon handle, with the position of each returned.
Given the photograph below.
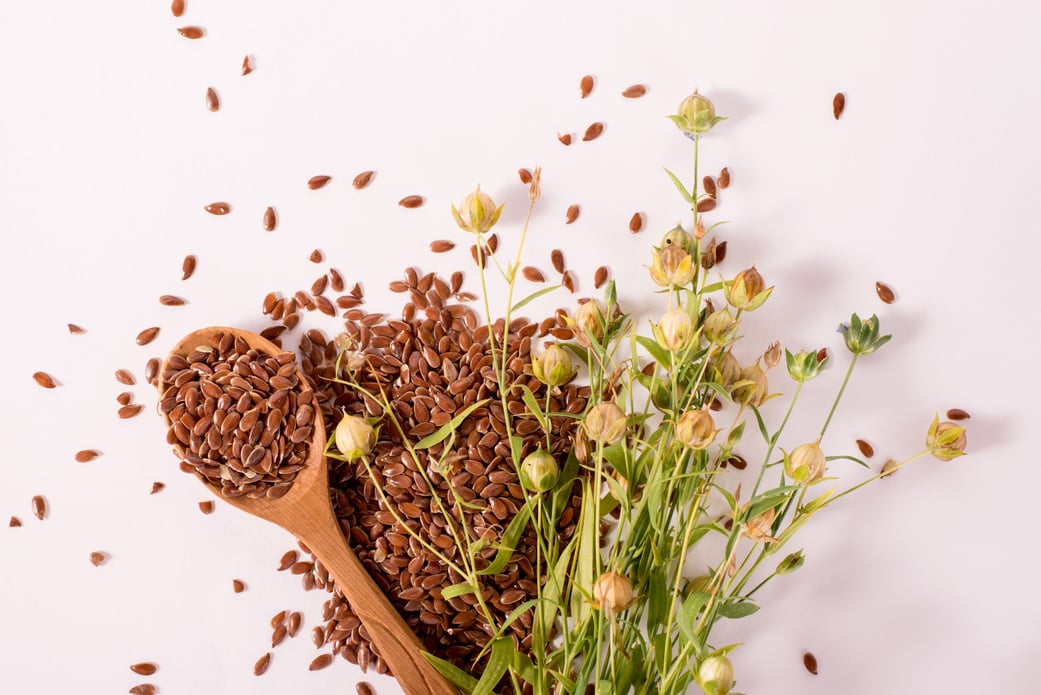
(397, 644)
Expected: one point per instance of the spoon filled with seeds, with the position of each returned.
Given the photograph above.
(244, 419)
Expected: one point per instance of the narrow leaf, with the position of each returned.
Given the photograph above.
(455, 675)
(533, 296)
(680, 187)
(455, 590)
(449, 427)
(498, 662)
(510, 538)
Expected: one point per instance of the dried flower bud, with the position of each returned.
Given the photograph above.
(728, 371)
(534, 188)
(695, 114)
(753, 388)
(790, 563)
(674, 329)
(805, 463)
(590, 322)
(581, 445)
(805, 365)
(672, 267)
(772, 356)
(708, 254)
(539, 471)
(716, 675)
(945, 440)
(605, 423)
(613, 592)
(696, 429)
(747, 290)
(554, 367)
(758, 528)
(699, 227)
(678, 236)
(862, 336)
(477, 213)
(720, 327)
(354, 437)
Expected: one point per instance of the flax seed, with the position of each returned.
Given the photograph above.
(212, 100)
(808, 659)
(97, 558)
(885, 293)
(320, 662)
(441, 245)
(565, 138)
(556, 257)
(145, 668)
(838, 105)
(532, 274)
(600, 277)
(262, 664)
(316, 182)
(270, 219)
(316, 256)
(39, 505)
(148, 335)
(247, 64)
(585, 85)
(568, 281)
(177, 8)
(593, 131)
(129, 411)
(362, 180)
(14, 522)
(144, 689)
(634, 91)
(44, 379)
(218, 208)
(206, 506)
(157, 487)
(709, 184)
(410, 201)
(571, 215)
(86, 455)
(187, 267)
(706, 205)
(525, 176)
(191, 32)
(636, 222)
(75, 330)
(957, 414)
(866, 449)
(723, 179)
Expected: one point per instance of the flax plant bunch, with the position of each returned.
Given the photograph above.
(654, 463)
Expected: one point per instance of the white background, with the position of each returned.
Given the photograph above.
(924, 583)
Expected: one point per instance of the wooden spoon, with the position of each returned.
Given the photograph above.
(306, 512)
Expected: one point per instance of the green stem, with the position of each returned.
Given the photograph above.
(838, 396)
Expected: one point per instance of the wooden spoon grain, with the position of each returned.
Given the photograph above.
(306, 512)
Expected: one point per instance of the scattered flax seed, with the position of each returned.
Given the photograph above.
(585, 86)
(316, 182)
(441, 245)
(145, 668)
(279, 635)
(635, 222)
(177, 8)
(157, 487)
(237, 586)
(364, 688)
(171, 300)
(247, 64)
(709, 184)
(187, 267)
(86, 455)
(411, 201)
(97, 558)
(335, 280)
(293, 623)
(397, 286)
(218, 208)
(721, 252)
(724, 177)
(144, 689)
(865, 448)
(571, 215)
(356, 291)
(39, 507)
(44, 379)
(532, 274)
(885, 293)
(810, 662)
(600, 277)
(565, 139)
(288, 560)
(737, 461)
(957, 414)
(634, 91)
(525, 176)
(212, 100)
(191, 32)
(148, 335)
(277, 619)
(362, 180)
(206, 506)
(593, 131)
(556, 257)
(14, 522)
(320, 662)
(889, 468)
(75, 330)
(151, 371)
(129, 411)
(706, 205)
(822, 354)
(316, 256)
(568, 281)
(838, 104)
(319, 285)
(262, 664)
(124, 376)
(270, 220)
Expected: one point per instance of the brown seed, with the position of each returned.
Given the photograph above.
(724, 177)
(191, 32)
(148, 335)
(810, 662)
(556, 257)
(634, 91)
(237, 586)
(532, 274)
(124, 376)
(277, 619)
(187, 267)
(129, 411)
(593, 131)
(145, 668)
(157, 487)
(706, 204)
(721, 252)
(822, 354)
(565, 138)
(14, 522)
(957, 414)
(97, 559)
(888, 468)
(44, 379)
(838, 104)
(364, 688)
(885, 293)
(525, 176)
(85, 455)
(635, 222)
(263, 662)
(585, 85)
(288, 560)
(144, 689)
(571, 215)
(865, 448)
(709, 184)
(206, 506)
(737, 462)
(293, 623)
(441, 245)
(270, 220)
(362, 179)
(320, 662)
(316, 256)
(247, 64)
(212, 100)
(600, 277)
(410, 201)
(316, 182)
(218, 208)
(177, 8)
(75, 330)
(568, 281)
(39, 507)
(152, 370)
(319, 285)
(171, 300)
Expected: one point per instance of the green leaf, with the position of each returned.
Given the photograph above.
(498, 662)
(657, 600)
(687, 616)
(848, 458)
(533, 406)
(737, 609)
(680, 187)
(762, 425)
(735, 435)
(449, 427)
(660, 354)
(454, 590)
(588, 561)
(533, 296)
(510, 538)
(455, 675)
